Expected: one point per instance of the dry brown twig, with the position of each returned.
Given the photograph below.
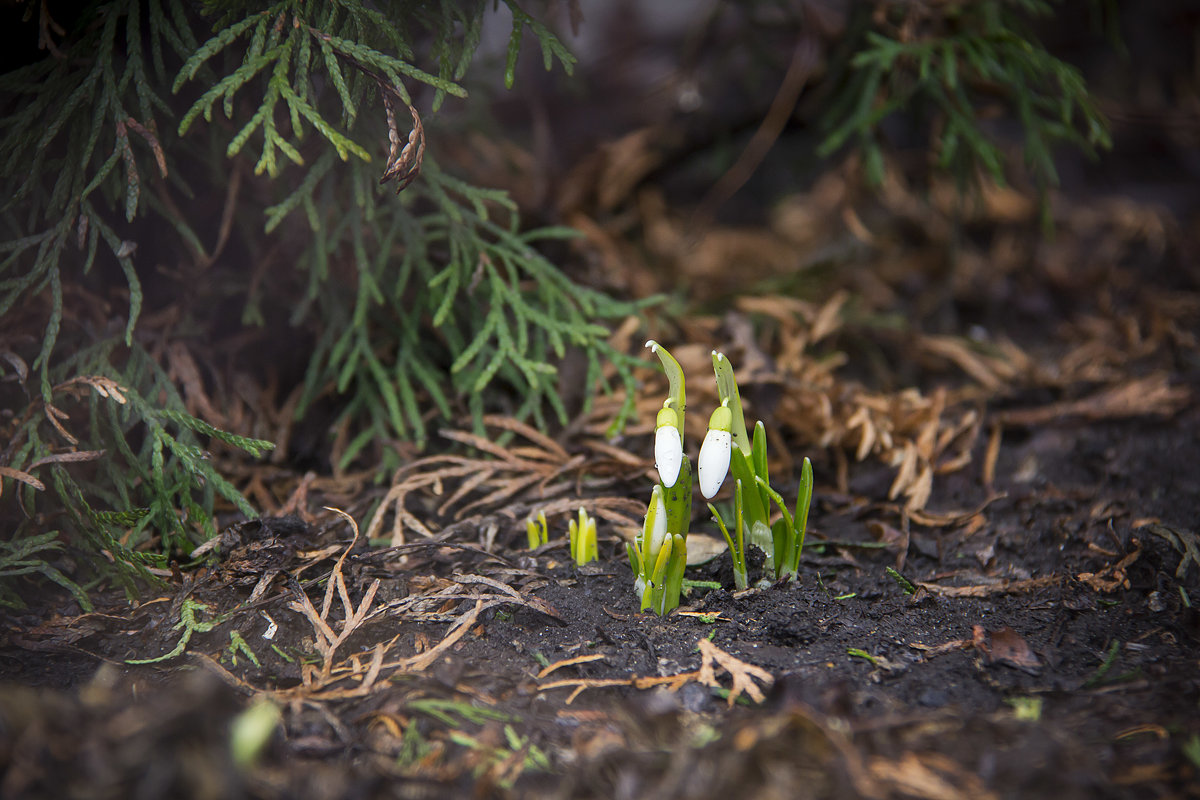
(327, 640)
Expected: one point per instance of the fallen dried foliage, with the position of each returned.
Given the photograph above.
(744, 676)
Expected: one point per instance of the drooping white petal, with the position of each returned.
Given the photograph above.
(668, 454)
(714, 461)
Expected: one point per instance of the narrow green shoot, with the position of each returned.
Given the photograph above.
(536, 530)
(658, 558)
(582, 535)
(855, 652)
(1099, 677)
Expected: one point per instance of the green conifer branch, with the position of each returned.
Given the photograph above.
(946, 64)
(105, 140)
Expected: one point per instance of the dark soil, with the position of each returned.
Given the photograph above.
(1041, 686)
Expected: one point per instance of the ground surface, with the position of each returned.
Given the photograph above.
(1048, 651)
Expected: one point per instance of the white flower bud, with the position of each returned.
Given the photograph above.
(655, 527)
(668, 454)
(714, 461)
(715, 452)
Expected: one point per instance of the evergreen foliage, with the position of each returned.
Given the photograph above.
(946, 63)
(140, 113)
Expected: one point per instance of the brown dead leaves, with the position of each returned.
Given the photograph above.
(932, 776)
(1153, 395)
(537, 472)
(1001, 646)
(1113, 577)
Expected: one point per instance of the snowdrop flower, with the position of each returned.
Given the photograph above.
(716, 450)
(668, 447)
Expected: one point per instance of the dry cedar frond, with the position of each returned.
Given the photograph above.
(184, 372)
(1152, 396)
(23, 477)
(537, 471)
(1112, 577)
(428, 601)
(711, 658)
(404, 162)
(1006, 586)
(327, 640)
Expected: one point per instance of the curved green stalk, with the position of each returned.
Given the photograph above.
(727, 388)
(676, 394)
(737, 548)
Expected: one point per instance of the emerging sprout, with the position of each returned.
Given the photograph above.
(252, 730)
(668, 447)
(658, 558)
(716, 450)
(582, 535)
(536, 530)
(654, 529)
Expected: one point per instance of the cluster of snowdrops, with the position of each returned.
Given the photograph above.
(658, 554)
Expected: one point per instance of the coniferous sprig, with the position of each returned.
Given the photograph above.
(421, 328)
(282, 42)
(79, 132)
(949, 62)
(156, 483)
(98, 143)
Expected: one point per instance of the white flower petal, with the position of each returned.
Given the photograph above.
(668, 454)
(714, 461)
(659, 531)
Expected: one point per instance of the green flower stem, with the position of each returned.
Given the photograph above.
(673, 579)
(727, 388)
(737, 548)
(676, 395)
